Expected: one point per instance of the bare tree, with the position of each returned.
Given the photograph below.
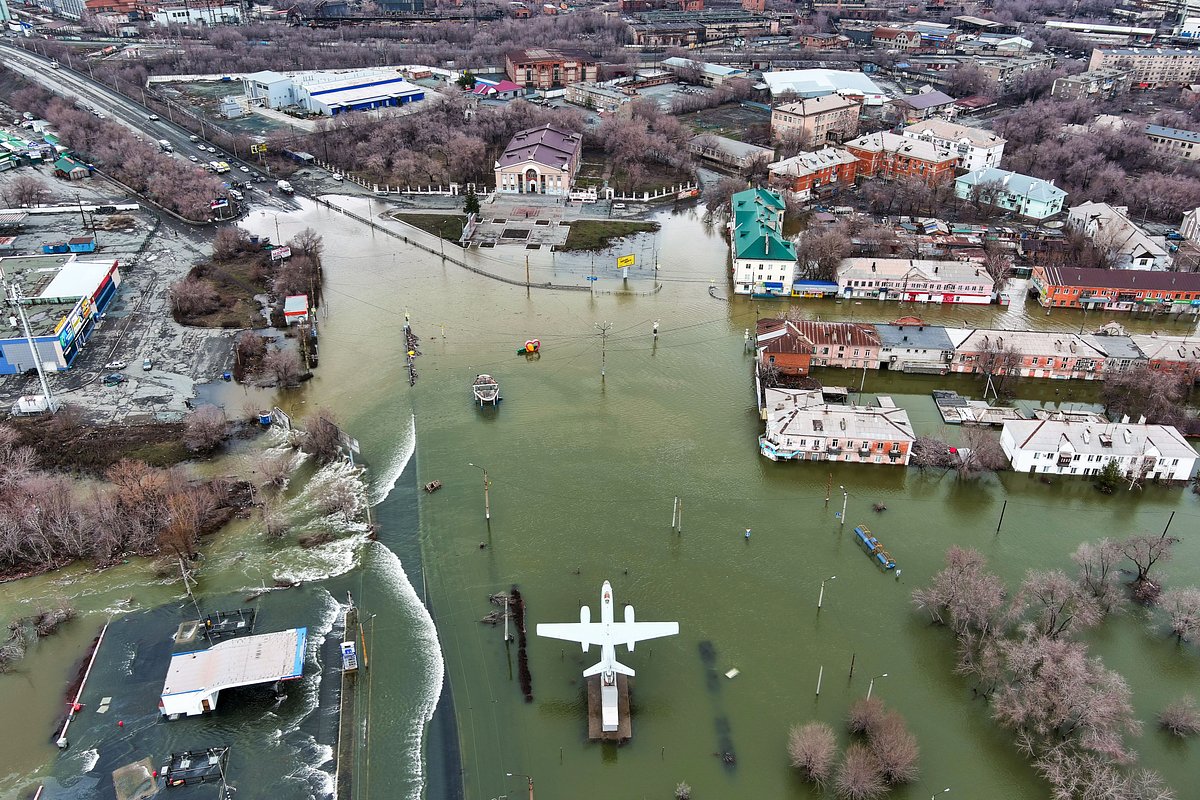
(859, 776)
(26, 191)
(813, 751)
(998, 262)
(1181, 717)
(1099, 573)
(1056, 605)
(1184, 607)
(896, 750)
(821, 251)
(205, 429)
(229, 242)
(284, 365)
(193, 297)
(928, 451)
(717, 196)
(321, 436)
(1145, 551)
(1141, 391)
(865, 715)
(983, 452)
(964, 595)
(308, 242)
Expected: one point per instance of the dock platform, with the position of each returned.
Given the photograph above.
(596, 732)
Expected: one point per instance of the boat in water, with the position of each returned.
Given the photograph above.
(486, 390)
(873, 547)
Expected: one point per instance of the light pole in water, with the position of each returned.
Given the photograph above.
(821, 597)
(871, 686)
(845, 500)
(942, 792)
(522, 775)
(487, 506)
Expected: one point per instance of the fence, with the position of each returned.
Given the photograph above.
(657, 194)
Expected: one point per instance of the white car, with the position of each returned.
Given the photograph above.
(153, 117)
(244, 168)
(193, 158)
(147, 364)
(114, 365)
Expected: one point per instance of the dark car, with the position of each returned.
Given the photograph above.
(114, 379)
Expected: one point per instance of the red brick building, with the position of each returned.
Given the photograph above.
(850, 345)
(889, 156)
(783, 346)
(896, 39)
(1116, 289)
(754, 6)
(537, 68)
(808, 175)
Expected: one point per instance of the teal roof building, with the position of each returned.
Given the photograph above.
(764, 262)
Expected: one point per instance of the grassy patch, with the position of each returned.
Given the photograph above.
(730, 120)
(236, 282)
(447, 226)
(66, 445)
(598, 234)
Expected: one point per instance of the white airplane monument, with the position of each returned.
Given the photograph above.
(607, 634)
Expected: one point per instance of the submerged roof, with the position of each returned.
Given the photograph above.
(244, 661)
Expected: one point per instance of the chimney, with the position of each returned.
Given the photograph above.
(843, 423)
(1125, 419)
(1142, 420)
(1087, 436)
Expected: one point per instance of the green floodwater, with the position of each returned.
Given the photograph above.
(583, 474)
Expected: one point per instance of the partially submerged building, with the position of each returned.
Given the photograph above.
(801, 426)
(1065, 447)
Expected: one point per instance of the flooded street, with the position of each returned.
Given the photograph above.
(583, 472)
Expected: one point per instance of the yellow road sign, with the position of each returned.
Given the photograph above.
(626, 261)
(258, 148)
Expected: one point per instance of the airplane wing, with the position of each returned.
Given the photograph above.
(586, 633)
(630, 632)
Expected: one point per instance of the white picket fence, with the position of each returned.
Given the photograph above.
(657, 194)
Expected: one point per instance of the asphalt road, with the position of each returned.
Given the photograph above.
(118, 108)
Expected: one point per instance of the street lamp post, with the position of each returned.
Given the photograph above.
(487, 505)
(845, 500)
(871, 686)
(941, 792)
(522, 775)
(821, 596)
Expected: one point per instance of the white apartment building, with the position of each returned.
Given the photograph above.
(1111, 228)
(1065, 447)
(802, 427)
(976, 148)
(915, 281)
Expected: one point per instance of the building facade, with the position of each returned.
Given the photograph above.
(819, 120)
(890, 156)
(925, 105)
(1116, 289)
(540, 160)
(597, 97)
(782, 346)
(538, 68)
(848, 345)
(1151, 68)
(764, 262)
(911, 346)
(1174, 142)
(1028, 354)
(819, 173)
(1111, 229)
(802, 427)
(330, 92)
(974, 148)
(1099, 84)
(896, 39)
(1029, 197)
(729, 153)
(1064, 447)
(915, 281)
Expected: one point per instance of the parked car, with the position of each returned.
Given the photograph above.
(618, 205)
(147, 364)
(115, 379)
(115, 365)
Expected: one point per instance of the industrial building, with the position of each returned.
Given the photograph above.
(63, 298)
(818, 82)
(331, 92)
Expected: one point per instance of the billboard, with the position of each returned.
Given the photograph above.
(626, 261)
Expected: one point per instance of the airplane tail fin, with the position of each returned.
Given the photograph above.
(598, 669)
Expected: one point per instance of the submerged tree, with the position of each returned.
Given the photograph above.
(1181, 717)
(859, 776)
(1184, 607)
(1099, 573)
(1145, 551)
(813, 751)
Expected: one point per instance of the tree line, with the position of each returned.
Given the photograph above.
(1023, 654)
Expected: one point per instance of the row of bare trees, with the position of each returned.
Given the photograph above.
(171, 183)
(1160, 397)
(45, 520)
(1067, 712)
(884, 752)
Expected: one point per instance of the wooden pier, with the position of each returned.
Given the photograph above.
(958, 410)
(625, 725)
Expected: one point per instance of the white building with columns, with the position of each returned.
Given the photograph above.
(540, 160)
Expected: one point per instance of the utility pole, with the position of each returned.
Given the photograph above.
(527, 274)
(15, 299)
(604, 329)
